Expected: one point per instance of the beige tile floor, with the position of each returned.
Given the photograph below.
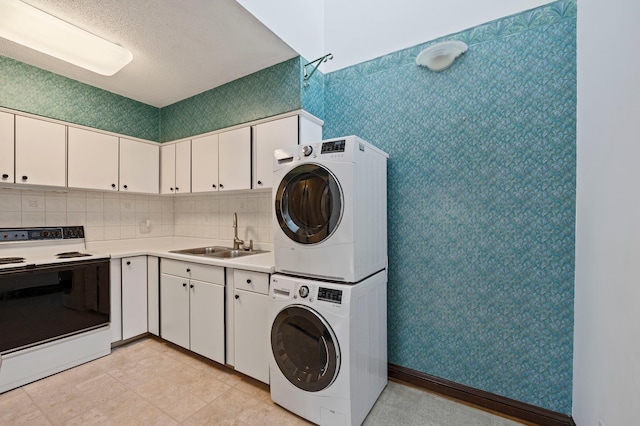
(149, 382)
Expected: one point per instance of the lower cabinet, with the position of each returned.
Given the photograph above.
(134, 296)
(192, 307)
(129, 299)
(251, 339)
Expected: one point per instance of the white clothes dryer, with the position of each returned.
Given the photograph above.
(328, 347)
(330, 201)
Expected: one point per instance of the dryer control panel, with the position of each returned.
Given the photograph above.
(333, 146)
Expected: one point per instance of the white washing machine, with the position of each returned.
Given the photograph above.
(328, 347)
(330, 201)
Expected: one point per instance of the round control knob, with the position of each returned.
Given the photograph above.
(307, 150)
(303, 291)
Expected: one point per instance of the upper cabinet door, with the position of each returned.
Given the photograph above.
(93, 160)
(183, 167)
(168, 169)
(6, 147)
(175, 168)
(41, 152)
(234, 150)
(268, 137)
(204, 164)
(139, 166)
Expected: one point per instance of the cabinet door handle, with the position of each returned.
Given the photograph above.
(184, 285)
(125, 187)
(188, 269)
(259, 182)
(221, 186)
(113, 185)
(248, 281)
(214, 185)
(25, 177)
(5, 176)
(190, 285)
(171, 189)
(237, 296)
(128, 263)
(177, 189)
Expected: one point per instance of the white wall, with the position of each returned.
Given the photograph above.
(606, 375)
(298, 23)
(355, 31)
(359, 31)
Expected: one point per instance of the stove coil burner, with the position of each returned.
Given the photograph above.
(9, 260)
(71, 254)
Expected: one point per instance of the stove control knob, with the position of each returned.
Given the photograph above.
(307, 150)
(303, 291)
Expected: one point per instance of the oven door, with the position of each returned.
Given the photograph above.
(48, 302)
(308, 204)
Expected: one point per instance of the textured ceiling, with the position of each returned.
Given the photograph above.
(180, 48)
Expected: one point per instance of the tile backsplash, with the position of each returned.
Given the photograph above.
(116, 216)
(211, 216)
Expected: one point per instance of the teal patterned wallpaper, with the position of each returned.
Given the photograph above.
(268, 92)
(482, 174)
(312, 94)
(30, 89)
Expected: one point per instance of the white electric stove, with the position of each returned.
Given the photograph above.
(34, 247)
(55, 306)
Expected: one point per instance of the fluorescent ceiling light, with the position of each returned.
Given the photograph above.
(45, 33)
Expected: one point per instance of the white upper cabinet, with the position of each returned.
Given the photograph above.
(93, 160)
(221, 162)
(175, 168)
(40, 152)
(139, 166)
(267, 137)
(234, 159)
(204, 164)
(6, 147)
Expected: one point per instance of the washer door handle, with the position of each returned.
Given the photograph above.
(326, 352)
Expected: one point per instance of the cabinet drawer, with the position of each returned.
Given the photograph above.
(196, 271)
(257, 282)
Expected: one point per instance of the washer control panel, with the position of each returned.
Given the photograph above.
(307, 292)
(332, 295)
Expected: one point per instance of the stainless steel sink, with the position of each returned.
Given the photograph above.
(216, 251)
(235, 253)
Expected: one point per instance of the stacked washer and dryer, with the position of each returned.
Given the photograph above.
(328, 298)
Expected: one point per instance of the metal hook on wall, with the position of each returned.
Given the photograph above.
(317, 62)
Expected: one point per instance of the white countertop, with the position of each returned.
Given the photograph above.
(161, 247)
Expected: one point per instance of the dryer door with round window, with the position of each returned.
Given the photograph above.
(305, 348)
(308, 204)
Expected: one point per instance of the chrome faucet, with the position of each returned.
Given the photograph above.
(237, 242)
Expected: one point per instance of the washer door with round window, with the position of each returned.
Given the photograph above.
(308, 204)
(305, 348)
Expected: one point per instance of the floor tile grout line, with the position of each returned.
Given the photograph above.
(35, 403)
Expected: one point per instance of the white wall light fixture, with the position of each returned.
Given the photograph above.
(33, 28)
(440, 56)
